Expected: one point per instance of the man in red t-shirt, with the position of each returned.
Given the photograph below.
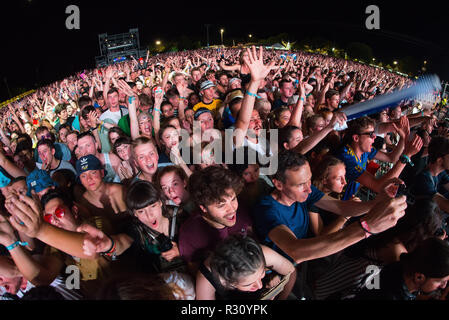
(214, 190)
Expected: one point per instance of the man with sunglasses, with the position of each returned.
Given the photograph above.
(358, 150)
(62, 152)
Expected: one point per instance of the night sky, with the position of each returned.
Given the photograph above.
(38, 49)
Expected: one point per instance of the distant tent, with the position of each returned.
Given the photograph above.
(276, 46)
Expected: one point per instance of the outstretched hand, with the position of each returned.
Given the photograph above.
(255, 64)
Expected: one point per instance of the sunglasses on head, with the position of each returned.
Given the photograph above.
(59, 213)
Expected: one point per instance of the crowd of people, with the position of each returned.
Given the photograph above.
(128, 175)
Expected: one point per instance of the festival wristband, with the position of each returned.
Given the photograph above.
(253, 95)
(405, 159)
(156, 109)
(131, 99)
(16, 244)
(366, 228)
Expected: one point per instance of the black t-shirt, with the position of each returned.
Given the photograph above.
(279, 103)
(391, 286)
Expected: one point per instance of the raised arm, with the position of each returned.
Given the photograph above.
(258, 71)
(381, 217)
(311, 141)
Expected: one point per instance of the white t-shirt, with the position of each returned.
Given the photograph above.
(114, 116)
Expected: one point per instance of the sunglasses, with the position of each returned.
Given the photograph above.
(370, 134)
(59, 213)
(47, 136)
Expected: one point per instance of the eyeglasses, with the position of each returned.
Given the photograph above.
(59, 213)
(370, 134)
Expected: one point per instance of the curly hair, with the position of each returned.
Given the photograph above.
(210, 185)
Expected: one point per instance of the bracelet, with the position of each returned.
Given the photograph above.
(422, 113)
(183, 98)
(111, 249)
(16, 244)
(302, 99)
(253, 95)
(156, 109)
(365, 228)
(131, 99)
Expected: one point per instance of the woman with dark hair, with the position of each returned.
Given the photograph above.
(122, 148)
(151, 232)
(237, 269)
(422, 221)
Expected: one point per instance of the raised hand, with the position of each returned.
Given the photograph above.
(403, 129)
(255, 64)
(26, 215)
(412, 147)
(125, 88)
(385, 214)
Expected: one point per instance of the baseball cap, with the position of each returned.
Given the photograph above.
(234, 80)
(234, 95)
(200, 111)
(39, 180)
(206, 85)
(88, 163)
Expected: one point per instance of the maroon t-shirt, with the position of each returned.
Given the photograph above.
(197, 238)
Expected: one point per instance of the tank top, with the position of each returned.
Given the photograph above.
(110, 176)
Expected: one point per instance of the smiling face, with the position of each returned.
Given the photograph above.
(223, 213)
(146, 158)
(295, 138)
(255, 123)
(46, 153)
(145, 125)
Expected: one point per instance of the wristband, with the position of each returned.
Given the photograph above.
(182, 98)
(405, 159)
(131, 99)
(302, 99)
(253, 95)
(15, 244)
(111, 249)
(156, 109)
(364, 225)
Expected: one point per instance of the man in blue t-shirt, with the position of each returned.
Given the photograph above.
(358, 149)
(282, 218)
